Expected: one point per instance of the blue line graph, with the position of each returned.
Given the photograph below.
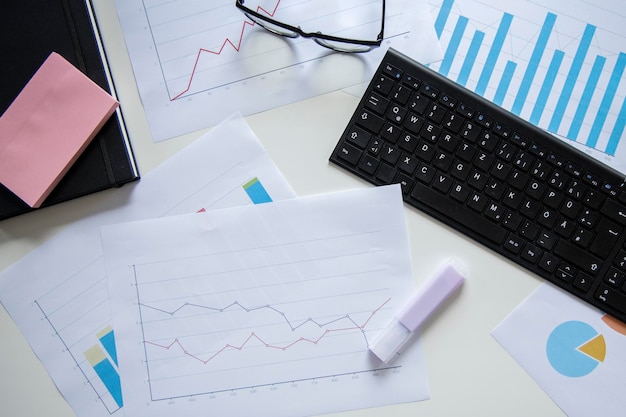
(541, 62)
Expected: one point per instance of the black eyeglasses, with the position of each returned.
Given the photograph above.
(336, 43)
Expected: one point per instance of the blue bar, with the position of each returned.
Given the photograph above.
(546, 87)
(111, 380)
(505, 82)
(107, 338)
(106, 372)
(533, 64)
(618, 129)
(442, 17)
(470, 58)
(453, 46)
(572, 77)
(257, 192)
(494, 53)
(585, 99)
(605, 105)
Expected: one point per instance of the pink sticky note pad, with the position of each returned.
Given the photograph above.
(47, 127)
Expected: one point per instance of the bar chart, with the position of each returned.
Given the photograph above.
(105, 365)
(557, 65)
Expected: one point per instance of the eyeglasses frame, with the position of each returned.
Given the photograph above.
(316, 36)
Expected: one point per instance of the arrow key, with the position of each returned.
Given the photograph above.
(548, 262)
(582, 281)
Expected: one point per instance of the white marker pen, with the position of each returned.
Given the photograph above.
(425, 301)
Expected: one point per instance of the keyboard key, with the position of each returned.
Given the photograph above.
(582, 281)
(614, 211)
(607, 235)
(368, 164)
(513, 244)
(358, 137)
(386, 173)
(612, 298)
(349, 153)
(615, 277)
(390, 154)
(548, 262)
(384, 85)
(370, 121)
(393, 71)
(377, 103)
(531, 253)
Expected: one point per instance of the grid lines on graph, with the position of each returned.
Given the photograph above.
(209, 321)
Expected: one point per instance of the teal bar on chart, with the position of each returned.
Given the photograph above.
(257, 193)
(618, 130)
(106, 372)
(470, 58)
(494, 53)
(546, 87)
(533, 64)
(453, 46)
(442, 17)
(107, 338)
(572, 77)
(585, 99)
(505, 82)
(607, 100)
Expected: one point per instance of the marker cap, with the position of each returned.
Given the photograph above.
(415, 312)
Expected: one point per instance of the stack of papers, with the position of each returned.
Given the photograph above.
(227, 293)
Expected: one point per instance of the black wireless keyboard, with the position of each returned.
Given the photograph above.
(494, 177)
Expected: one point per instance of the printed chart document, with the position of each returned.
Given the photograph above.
(263, 310)
(58, 294)
(559, 65)
(196, 62)
(574, 352)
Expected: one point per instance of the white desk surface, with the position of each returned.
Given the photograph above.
(469, 373)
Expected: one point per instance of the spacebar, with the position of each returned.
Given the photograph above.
(451, 209)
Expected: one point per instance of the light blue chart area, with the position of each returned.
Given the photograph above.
(559, 65)
(575, 349)
(107, 338)
(106, 372)
(257, 193)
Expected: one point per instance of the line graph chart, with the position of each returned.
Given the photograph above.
(327, 328)
(198, 62)
(290, 328)
(272, 302)
(236, 45)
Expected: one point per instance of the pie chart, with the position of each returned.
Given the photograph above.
(575, 349)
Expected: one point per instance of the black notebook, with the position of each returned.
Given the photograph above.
(30, 30)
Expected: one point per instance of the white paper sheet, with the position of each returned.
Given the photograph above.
(197, 62)
(263, 310)
(573, 351)
(58, 296)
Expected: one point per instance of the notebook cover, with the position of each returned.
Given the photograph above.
(48, 126)
(35, 29)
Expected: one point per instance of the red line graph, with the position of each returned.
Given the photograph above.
(253, 336)
(235, 45)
